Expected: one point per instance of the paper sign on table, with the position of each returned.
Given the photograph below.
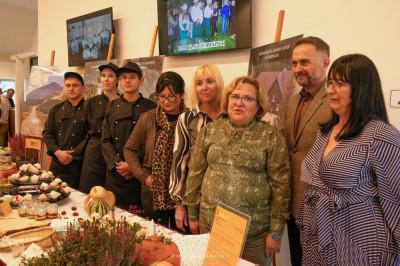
(5, 208)
(227, 237)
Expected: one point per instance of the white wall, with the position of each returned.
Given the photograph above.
(7, 70)
(363, 26)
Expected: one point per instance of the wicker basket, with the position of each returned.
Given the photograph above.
(44, 237)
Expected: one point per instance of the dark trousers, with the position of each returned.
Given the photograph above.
(164, 217)
(294, 241)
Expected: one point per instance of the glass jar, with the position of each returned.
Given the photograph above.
(40, 212)
(30, 211)
(23, 207)
(52, 211)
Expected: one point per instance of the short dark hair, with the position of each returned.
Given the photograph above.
(366, 93)
(172, 80)
(319, 44)
(74, 75)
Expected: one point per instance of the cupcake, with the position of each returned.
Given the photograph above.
(66, 191)
(7, 198)
(45, 177)
(44, 186)
(24, 179)
(33, 169)
(53, 195)
(17, 199)
(38, 166)
(34, 179)
(24, 168)
(42, 197)
(27, 197)
(13, 178)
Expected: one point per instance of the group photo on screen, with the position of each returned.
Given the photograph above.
(201, 25)
(89, 40)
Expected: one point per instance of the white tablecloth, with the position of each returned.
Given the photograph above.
(192, 248)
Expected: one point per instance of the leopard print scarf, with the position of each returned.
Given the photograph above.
(162, 160)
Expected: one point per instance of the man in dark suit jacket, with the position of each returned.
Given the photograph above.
(305, 111)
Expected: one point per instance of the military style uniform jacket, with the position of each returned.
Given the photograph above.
(120, 118)
(94, 165)
(65, 130)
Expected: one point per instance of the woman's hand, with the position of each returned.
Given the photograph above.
(148, 181)
(181, 218)
(272, 246)
(194, 227)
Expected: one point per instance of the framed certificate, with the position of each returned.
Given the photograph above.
(227, 237)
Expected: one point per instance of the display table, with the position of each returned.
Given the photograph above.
(192, 248)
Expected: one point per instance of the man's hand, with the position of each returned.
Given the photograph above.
(122, 168)
(181, 218)
(64, 157)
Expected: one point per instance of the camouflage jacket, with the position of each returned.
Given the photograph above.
(247, 170)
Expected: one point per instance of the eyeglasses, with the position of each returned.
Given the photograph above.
(245, 99)
(171, 98)
(335, 85)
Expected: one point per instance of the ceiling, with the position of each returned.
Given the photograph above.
(12, 41)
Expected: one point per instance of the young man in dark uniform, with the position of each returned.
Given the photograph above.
(121, 117)
(64, 132)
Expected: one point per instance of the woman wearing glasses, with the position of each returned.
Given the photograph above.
(205, 90)
(349, 214)
(148, 150)
(242, 162)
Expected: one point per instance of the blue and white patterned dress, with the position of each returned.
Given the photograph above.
(350, 211)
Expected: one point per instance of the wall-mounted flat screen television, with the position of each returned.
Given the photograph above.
(89, 37)
(198, 26)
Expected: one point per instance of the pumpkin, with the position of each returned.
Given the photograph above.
(98, 206)
(154, 250)
(98, 192)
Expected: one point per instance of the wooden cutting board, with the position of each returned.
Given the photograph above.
(14, 223)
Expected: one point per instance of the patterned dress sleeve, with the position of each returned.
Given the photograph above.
(278, 172)
(180, 160)
(385, 152)
(197, 168)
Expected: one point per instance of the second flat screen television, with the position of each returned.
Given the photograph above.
(198, 26)
(89, 37)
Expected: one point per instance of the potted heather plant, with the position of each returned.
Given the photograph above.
(109, 242)
(97, 242)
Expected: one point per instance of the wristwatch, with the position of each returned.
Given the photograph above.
(276, 236)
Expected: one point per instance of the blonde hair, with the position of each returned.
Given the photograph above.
(262, 99)
(205, 70)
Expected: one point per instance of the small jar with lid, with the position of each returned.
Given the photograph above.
(40, 212)
(30, 211)
(52, 211)
(22, 208)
